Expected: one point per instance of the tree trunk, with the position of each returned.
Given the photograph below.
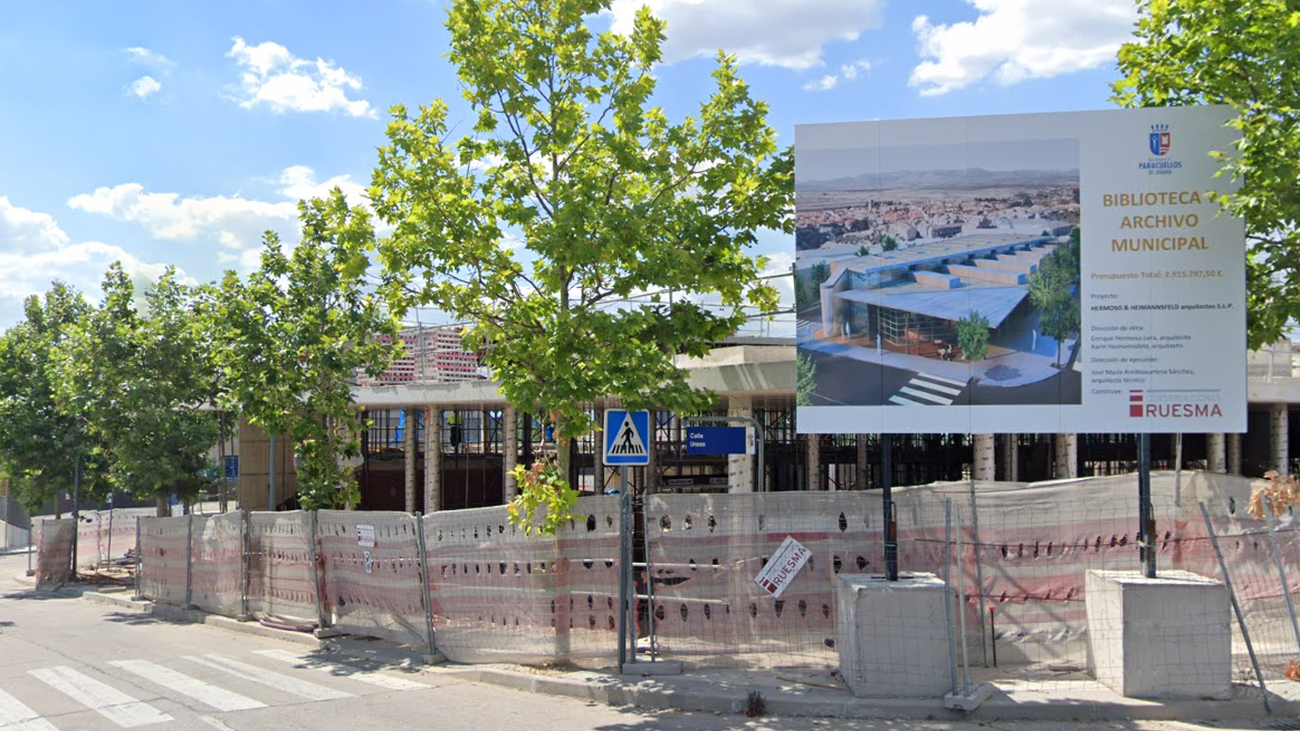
(163, 509)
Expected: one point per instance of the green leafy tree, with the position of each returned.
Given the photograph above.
(864, 251)
(1245, 54)
(294, 335)
(135, 373)
(40, 443)
(1051, 290)
(590, 194)
(806, 383)
(889, 243)
(973, 336)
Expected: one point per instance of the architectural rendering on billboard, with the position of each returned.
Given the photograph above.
(1027, 273)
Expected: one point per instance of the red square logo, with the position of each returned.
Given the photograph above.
(1135, 410)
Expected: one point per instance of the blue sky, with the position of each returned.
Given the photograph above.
(163, 133)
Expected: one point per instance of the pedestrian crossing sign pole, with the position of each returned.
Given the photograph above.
(627, 437)
(627, 443)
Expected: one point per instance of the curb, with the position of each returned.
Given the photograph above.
(701, 694)
(196, 616)
(706, 697)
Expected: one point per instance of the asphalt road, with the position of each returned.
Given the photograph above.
(67, 665)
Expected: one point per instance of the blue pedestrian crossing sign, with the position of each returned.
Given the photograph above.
(627, 437)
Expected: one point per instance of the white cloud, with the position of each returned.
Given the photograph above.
(34, 250)
(143, 87)
(273, 76)
(149, 58)
(299, 183)
(848, 72)
(1016, 40)
(825, 83)
(235, 222)
(21, 228)
(788, 33)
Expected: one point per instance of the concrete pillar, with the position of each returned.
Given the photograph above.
(432, 459)
(740, 467)
(1010, 458)
(983, 457)
(862, 462)
(1279, 433)
(410, 453)
(510, 445)
(606, 477)
(814, 447)
(827, 295)
(1067, 456)
(1216, 453)
(1234, 454)
(651, 471)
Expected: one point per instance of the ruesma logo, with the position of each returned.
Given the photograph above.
(1173, 404)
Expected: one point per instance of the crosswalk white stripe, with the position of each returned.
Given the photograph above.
(14, 716)
(935, 387)
(279, 681)
(203, 692)
(340, 670)
(924, 395)
(106, 700)
(941, 379)
(904, 401)
(215, 723)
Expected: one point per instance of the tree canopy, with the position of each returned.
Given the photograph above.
(293, 337)
(573, 193)
(138, 377)
(39, 442)
(1245, 54)
(1052, 289)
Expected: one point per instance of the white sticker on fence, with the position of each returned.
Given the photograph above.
(784, 565)
(366, 536)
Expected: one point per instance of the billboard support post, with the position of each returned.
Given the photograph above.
(1147, 529)
(887, 499)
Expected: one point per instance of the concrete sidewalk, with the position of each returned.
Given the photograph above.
(785, 692)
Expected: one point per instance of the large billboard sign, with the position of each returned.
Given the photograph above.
(1027, 273)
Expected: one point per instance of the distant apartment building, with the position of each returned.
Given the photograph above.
(430, 355)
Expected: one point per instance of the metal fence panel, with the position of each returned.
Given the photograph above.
(104, 536)
(54, 552)
(281, 582)
(163, 559)
(499, 595)
(371, 569)
(217, 551)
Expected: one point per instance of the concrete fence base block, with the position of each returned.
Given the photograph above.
(1164, 638)
(436, 658)
(892, 637)
(661, 667)
(971, 700)
(324, 633)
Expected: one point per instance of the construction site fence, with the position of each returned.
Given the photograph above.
(478, 588)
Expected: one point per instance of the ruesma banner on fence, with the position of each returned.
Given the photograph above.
(1055, 272)
(784, 565)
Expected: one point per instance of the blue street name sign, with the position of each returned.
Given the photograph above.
(232, 467)
(716, 440)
